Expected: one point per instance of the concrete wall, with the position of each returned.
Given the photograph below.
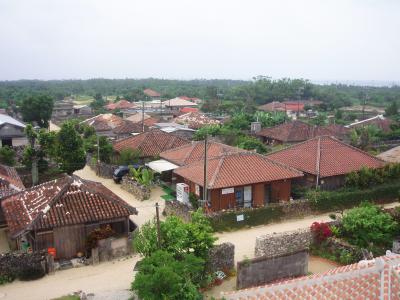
(262, 270)
(283, 243)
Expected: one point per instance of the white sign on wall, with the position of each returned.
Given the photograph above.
(228, 191)
(239, 218)
(197, 190)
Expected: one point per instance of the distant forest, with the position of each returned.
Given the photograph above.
(260, 90)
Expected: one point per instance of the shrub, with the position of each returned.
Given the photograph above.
(31, 272)
(162, 276)
(332, 200)
(321, 231)
(367, 177)
(7, 156)
(367, 226)
(194, 201)
(128, 157)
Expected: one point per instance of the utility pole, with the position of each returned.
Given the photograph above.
(158, 226)
(142, 116)
(205, 198)
(98, 154)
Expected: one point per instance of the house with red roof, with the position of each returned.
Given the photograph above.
(196, 120)
(61, 213)
(151, 143)
(113, 126)
(299, 131)
(236, 180)
(121, 105)
(152, 94)
(10, 183)
(325, 161)
(378, 278)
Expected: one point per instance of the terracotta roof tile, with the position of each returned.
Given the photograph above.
(336, 157)
(129, 127)
(104, 122)
(298, 131)
(10, 182)
(356, 281)
(151, 143)
(237, 169)
(195, 151)
(61, 202)
(122, 104)
(151, 93)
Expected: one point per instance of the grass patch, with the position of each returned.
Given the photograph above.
(168, 197)
(69, 297)
(80, 100)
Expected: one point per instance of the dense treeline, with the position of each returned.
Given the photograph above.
(260, 90)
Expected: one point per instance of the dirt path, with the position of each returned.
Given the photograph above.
(105, 277)
(145, 208)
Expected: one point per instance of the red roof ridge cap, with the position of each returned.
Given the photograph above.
(216, 172)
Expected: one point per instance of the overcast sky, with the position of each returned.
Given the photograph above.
(318, 40)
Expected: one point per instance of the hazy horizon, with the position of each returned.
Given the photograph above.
(323, 41)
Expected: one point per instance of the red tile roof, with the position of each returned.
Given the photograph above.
(122, 104)
(379, 121)
(151, 143)
(129, 127)
(374, 279)
(273, 106)
(334, 157)
(104, 122)
(151, 93)
(195, 151)
(196, 120)
(62, 202)
(236, 170)
(189, 110)
(298, 131)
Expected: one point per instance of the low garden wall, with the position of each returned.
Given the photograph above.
(176, 208)
(221, 258)
(283, 243)
(24, 266)
(102, 169)
(141, 192)
(262, 270)
(111, 248)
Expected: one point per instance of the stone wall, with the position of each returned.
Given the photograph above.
(221, 258)
(283, 243)
(111, 248)
(263, 270)
(141, 192)
(102, 169)
(176, 208)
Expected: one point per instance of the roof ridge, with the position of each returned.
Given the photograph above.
(216, 172)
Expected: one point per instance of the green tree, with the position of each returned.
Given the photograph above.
(37, 109)
(105, 149)
(129, 156)
(392, 109)
(177, 237)
(368, 226)
(70, 152)
(7, 156)
(162, 276)
(251, 143)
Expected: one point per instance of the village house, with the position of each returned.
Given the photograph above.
(195, 120)
(378, 278)
(239, 180)
(176, 129)
(391, 155)
(82, 110)
(192, 99)
(178, 103)
(113, 127)
(186, 154)
(150, 144)
(151, 94)
(137, 116)
(12, 132)
(61, 213)
(325, 161)
(120, 105)
(10, 183)
(63, 109)
(298, 131)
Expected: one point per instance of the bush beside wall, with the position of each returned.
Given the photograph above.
(333, 200)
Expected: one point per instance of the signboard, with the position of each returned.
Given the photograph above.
(239, 218)
(197, 190)
(228, 191)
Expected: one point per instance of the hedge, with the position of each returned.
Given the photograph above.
(227, 220)
(331, 200)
